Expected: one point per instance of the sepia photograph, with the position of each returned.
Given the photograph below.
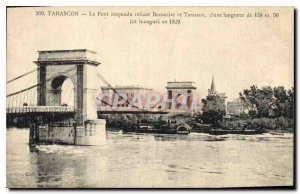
(150, 97)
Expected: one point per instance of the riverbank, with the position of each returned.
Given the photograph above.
(231, 125)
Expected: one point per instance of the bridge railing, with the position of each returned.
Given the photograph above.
(28, 109)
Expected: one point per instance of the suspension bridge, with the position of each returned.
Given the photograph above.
(41, 103)
(42, 94)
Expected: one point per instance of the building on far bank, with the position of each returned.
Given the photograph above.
(180, 96)
(110, 97)
(213, 92)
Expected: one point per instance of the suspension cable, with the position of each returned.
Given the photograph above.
(18, 77)
(15, 93)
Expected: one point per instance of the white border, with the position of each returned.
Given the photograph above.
(5, 3)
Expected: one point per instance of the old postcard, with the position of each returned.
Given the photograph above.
(150, 97)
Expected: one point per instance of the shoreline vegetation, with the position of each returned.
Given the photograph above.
(278, 125)
(263, 109)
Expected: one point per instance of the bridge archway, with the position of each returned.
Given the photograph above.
(63, 91)
(67, 93)
(78, 66)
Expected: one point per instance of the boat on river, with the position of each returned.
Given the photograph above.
(201, 128)
(182, 129)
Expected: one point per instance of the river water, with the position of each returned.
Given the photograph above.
(152, 160)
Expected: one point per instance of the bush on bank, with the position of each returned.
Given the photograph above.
(280, 123)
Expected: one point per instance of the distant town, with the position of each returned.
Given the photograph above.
(180, 97)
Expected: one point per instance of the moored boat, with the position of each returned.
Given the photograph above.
(201, 128)
(182, 129)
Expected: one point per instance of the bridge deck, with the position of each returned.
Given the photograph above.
(40, 109)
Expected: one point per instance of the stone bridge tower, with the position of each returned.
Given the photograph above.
(80, 66)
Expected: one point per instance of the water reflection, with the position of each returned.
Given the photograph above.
(153, 160)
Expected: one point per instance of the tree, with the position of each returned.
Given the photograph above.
(265, 101)
(249, 101)
(281, 102)
(291, 100)
(213, 110)
(259, 102)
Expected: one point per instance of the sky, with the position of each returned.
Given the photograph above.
(238, 52)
